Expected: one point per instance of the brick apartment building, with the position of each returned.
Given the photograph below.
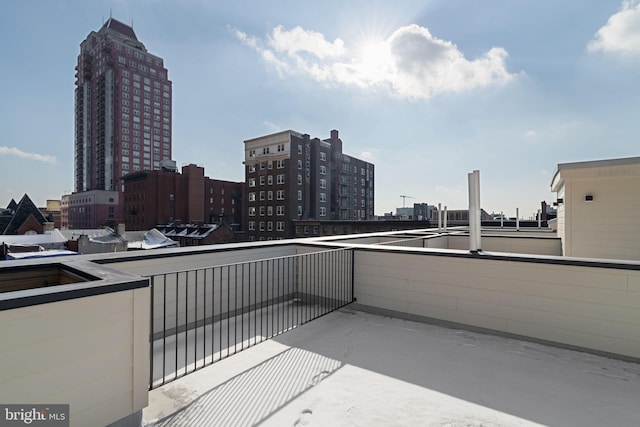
(122, 108)
(290, 176)
(160, 197)
(123, 122)
(89, 209)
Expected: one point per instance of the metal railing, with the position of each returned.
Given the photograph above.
(201, 316)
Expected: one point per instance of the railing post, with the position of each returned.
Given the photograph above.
(152, 280)
(353, 274)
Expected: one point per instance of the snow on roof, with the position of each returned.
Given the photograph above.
(41, 254)
(153, 239)
(360, 369)
(48, 238)
(89, 232)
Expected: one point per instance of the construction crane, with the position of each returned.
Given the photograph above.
(404, 199)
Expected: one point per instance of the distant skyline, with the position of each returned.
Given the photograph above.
(426, 90)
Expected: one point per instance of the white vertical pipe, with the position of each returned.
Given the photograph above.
(501, 219)
(445, 218)
(473, 242)
(439, 216)
(478, 218)
(517, 219)
(539, 218)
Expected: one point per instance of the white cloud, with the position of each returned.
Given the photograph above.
(366, 155)
(621, 33)
(426, 65)
(298, 41)
(411, 63)
(34, 156)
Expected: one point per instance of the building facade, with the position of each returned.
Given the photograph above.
(290, 176)
(598, 205)
(161, 197)
(122, 108)
(89, 209)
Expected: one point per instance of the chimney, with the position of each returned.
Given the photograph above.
(120, 229)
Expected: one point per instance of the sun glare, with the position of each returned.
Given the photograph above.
(374, 60)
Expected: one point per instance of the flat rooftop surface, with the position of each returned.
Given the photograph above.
(352, 368)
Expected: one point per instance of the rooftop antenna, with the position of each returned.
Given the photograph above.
(404, 199)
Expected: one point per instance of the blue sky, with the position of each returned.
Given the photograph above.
(426, 90)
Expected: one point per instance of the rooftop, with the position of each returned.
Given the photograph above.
(425, 333)
(121, 28)
(352, 367)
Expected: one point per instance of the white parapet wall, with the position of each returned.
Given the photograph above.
(84, 344)
(592, 305)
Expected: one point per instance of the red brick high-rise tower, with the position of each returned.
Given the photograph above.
(122, 109)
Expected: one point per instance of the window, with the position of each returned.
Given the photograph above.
(280, 226)
(323, 170)
(265, 150)
(323, 197)
(280, 179)
(263, 165)
(269, 195)
(299, 164)
(261, 225)
(323, 211)
(262, 180)
(269, 226)
(252, 168)
(280, 147)
(299, 149)
(252, 211)
(270, 180)
(261, 210)
(252, 153)
(252, 182)
(323, 156)
(361, 171)
(280, 194)
(362, 192)
(280, 210)
(269, 165)
(362, 182)
(252, 225)
(269, 210)
(280, 164)
(323, 183)
(299, 194)
(262, 195)
(299, 211)
(299, 179)
(362, 203)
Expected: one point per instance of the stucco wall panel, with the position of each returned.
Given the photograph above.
(589, 301)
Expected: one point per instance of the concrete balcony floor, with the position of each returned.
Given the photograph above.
(353, 368)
